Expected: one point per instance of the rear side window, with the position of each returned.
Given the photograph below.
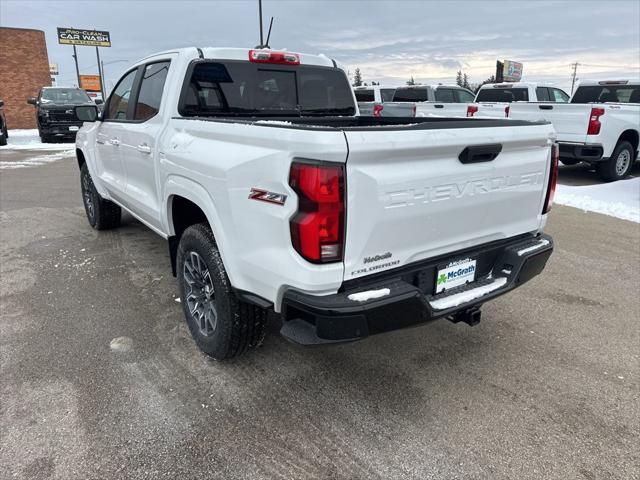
(444, 95)
(364, 95)
(386, 94)
(404, 94)
(462, 96)
(237, 88)
(607, 93)
(507, 95)
(151, 88)
(558, 95)
(119, 100)
(543, 94)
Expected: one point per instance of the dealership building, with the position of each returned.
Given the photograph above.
(24, 69)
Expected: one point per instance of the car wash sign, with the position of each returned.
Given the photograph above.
(75, 36)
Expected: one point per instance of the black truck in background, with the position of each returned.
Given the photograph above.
(3, 126)
(55, 112)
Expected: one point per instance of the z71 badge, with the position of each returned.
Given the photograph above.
(269, 197)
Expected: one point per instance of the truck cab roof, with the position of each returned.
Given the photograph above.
(228, 53)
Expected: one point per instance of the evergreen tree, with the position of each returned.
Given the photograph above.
(411, 82)
(357, 78)
(459, 78)
(465, 81)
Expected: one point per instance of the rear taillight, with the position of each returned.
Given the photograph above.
(506, 111)
(377, 110)
(471, 110)
(594, 121)
(270, 56)
(317, 229)
(553, 179)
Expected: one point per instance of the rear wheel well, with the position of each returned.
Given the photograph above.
(80, 157)
(184, 213)
(630, 136)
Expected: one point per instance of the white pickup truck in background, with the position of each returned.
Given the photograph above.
(377, 101)
(600, 125)
(495, 99)
(275, 196)
(435, 100)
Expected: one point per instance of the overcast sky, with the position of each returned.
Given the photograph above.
(389, 41)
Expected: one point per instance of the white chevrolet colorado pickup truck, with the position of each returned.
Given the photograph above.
(495, 99)
(600, 125)
(273, 195)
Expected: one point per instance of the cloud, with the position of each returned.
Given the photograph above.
(388, 40)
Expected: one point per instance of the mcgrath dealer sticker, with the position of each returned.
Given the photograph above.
(456, 274)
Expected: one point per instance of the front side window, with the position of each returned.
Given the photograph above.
(151, 88)
(236, 88)
(464, 96)
(119, 100)
(444, 95)
(559, 95)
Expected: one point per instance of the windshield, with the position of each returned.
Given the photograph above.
(607, 93)
(506, 95)
(235, 88)
(404, 94)
(64, 95)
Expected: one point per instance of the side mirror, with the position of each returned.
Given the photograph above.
(86, 113)
(32, 101)
(98, 101)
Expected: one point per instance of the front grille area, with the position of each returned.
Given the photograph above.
(66, 115)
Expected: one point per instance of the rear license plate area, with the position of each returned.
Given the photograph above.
(455, 273)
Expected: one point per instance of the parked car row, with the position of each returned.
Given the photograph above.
(599, 125)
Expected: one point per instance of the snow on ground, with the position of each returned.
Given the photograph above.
(36, 161)
(618, 199)
(30, 140)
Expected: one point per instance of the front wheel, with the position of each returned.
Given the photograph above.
(101, 214)
(222, 325)
(3, 138)
(619, 164)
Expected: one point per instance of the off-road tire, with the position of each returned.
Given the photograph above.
(3, 138)
(102, 214)
(609, 171)
(239, 325)
(45, 138)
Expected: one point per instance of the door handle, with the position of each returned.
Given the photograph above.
(545, 107)
(115, 142)
(439, 106)
(144, 148)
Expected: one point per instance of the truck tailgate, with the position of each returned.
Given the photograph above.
(570, 120)
(410, 197)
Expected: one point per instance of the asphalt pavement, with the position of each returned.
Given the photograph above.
(100, 378)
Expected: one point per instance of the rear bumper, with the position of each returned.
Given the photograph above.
(583, 152)
(312, 320)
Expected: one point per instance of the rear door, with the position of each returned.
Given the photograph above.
(410, 197)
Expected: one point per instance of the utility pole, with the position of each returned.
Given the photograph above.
(573, 76)
(75, 58)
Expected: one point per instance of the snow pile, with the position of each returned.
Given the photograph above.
(369, 295)
(619, 199)
(36, 161)
(30, 140)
